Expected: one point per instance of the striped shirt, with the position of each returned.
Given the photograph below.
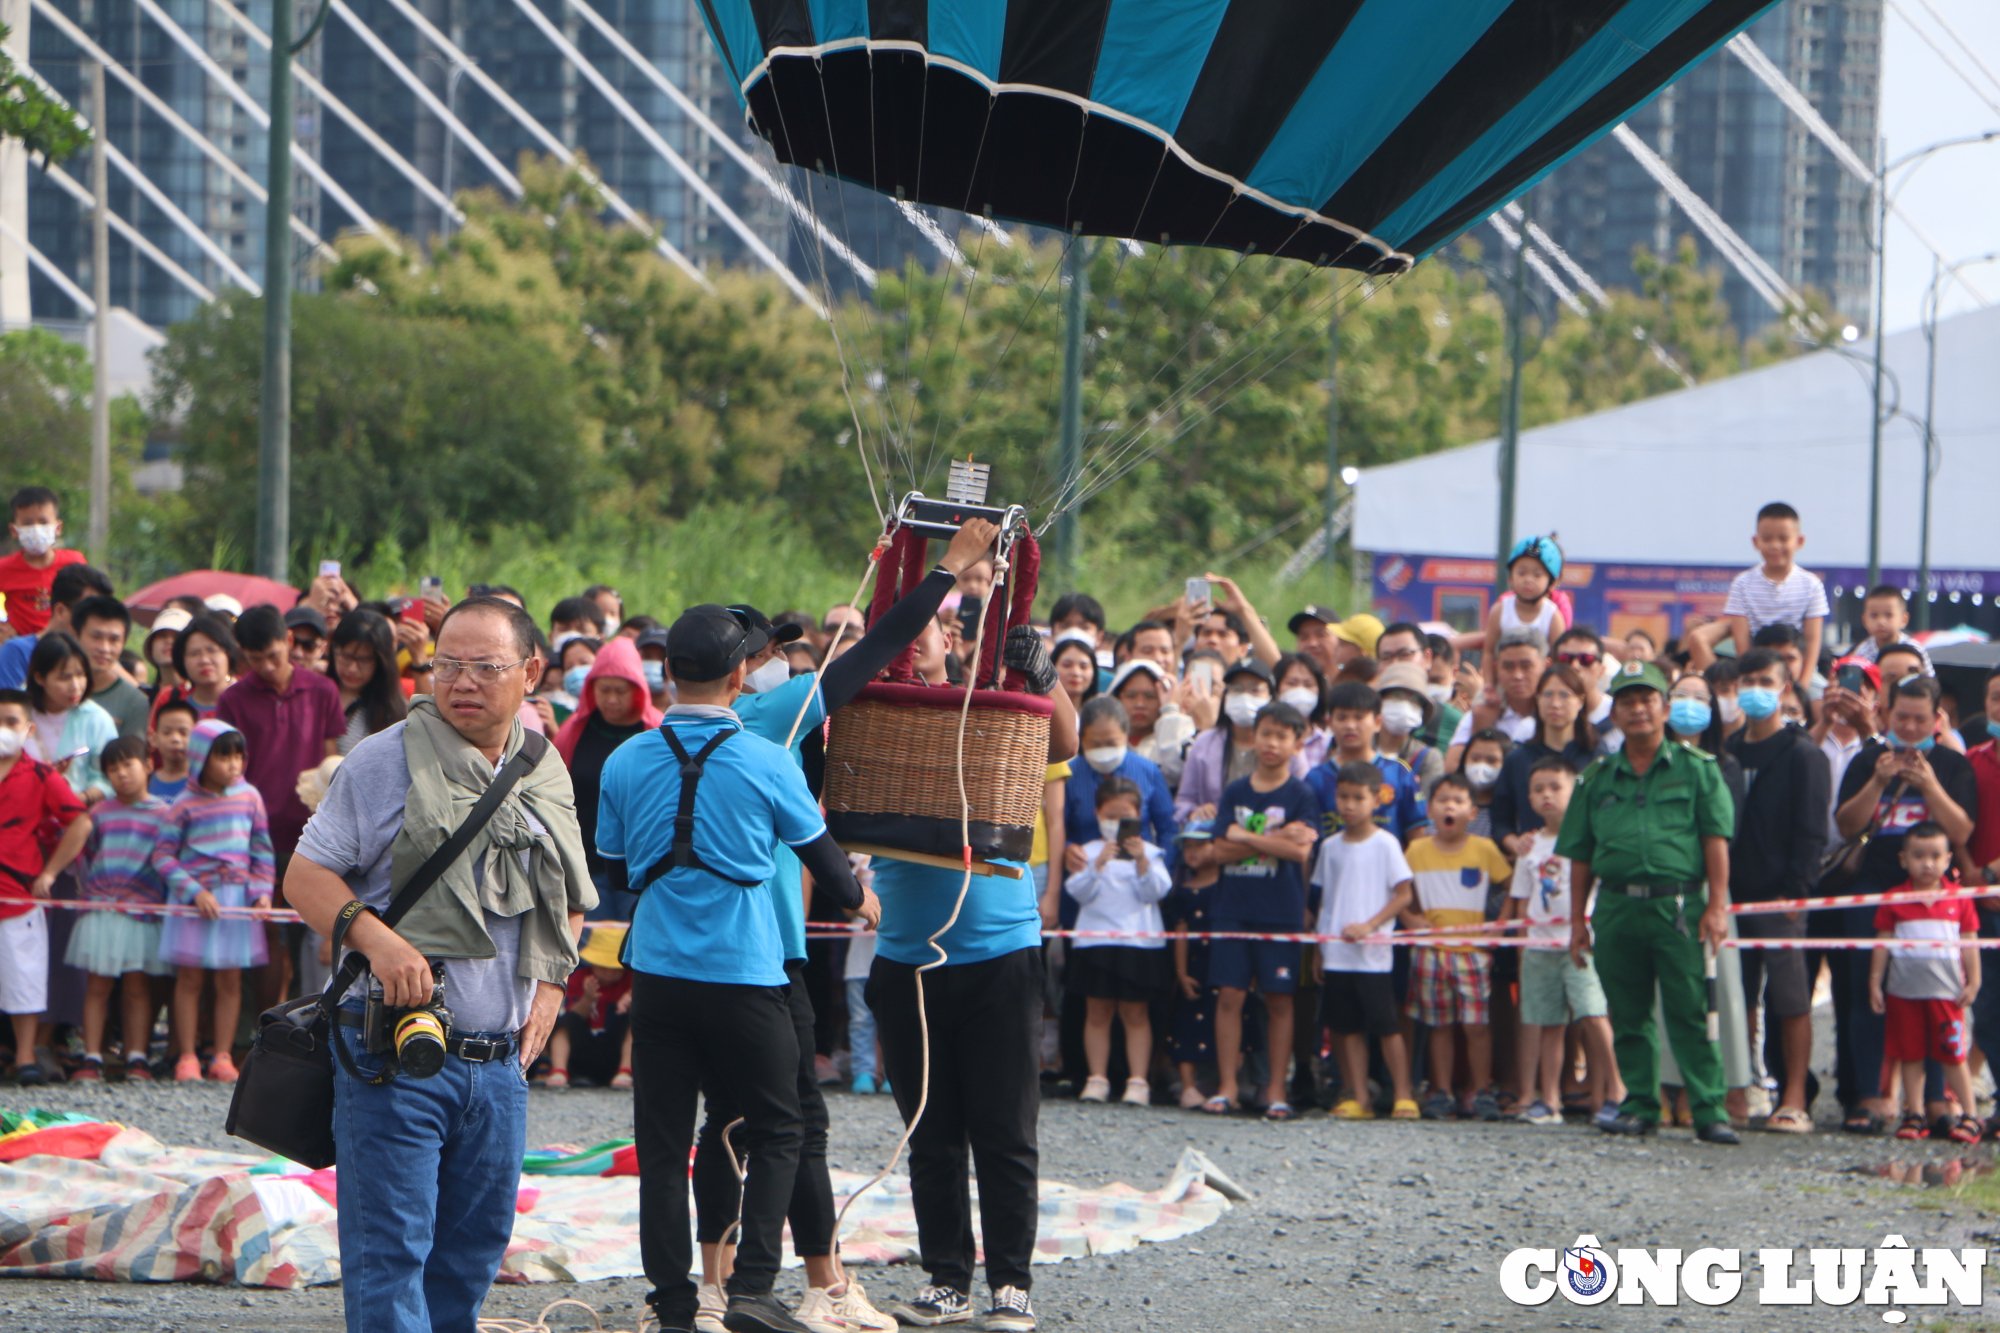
(1927, 973)
(1797, 598)
(219, 843)
(122, 838)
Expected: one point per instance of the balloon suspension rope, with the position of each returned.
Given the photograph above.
(826, 659)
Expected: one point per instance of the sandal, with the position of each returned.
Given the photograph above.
(1967, 1129)
(1789, 1120)
(1280, 1112)
(1912, 1126)
(1191, 1099)
(1219, 1105)
(622, 1079)
(1349, 1109)
(1865, 1122)
(1405, 1109)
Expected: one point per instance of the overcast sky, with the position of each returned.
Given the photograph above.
(1955, 195)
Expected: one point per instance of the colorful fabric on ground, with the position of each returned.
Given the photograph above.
(115, 1205)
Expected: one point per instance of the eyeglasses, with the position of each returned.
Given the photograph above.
(1399, 655)
(1558, 697)
(1578, 659)
(483, 673)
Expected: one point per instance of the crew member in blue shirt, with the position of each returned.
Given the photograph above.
(694, 810)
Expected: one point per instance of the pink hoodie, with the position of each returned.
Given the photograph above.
(618, 659)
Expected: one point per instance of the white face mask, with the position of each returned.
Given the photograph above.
(1440, 694)
(1400, 717)
(769, 676)
(1732, 712)
(1301, 698)
(1105, 758)
(1243, 708)
(1482, 775)
(37, 538)
(1109, 828)
(12, 742)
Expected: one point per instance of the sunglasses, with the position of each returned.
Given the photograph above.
(1578, 659)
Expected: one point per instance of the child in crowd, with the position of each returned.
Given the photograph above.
(1885, 614)
(1534, 567)
(34, 797)
(1354, 713)
(1123, 879)
(1480, 765)
(1925, 992)
(215, 852)
(116, 946)
(1363, 884)
(173, 725)
(1191, 1042)
(1777, 592)
(27, 575)
(1451, 984)
(70, 731)
(1554, 991)
(1270, 821)
(861, 1047)
(593, 1033)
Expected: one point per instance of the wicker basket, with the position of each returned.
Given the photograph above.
(892, 770)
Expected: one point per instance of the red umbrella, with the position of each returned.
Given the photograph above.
(248, 589)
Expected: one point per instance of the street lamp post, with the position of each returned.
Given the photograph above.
(1510, 419)
(1922, 595)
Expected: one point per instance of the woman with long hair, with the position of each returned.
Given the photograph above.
(363, 649)
(1562, 727)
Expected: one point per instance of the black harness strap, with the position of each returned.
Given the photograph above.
(681, 855)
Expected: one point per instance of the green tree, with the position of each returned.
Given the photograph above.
(41, 123)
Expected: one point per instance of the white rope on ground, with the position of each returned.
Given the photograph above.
(540, 1323)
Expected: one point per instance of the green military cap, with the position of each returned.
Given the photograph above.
(1636, 675)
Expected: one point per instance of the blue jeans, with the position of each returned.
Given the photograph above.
(861, 1029)
(429, 1170)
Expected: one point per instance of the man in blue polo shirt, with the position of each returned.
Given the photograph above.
(694, 811)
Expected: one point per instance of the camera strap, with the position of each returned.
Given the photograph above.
(534, 745)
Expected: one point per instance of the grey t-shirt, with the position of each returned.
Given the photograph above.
(351, 834)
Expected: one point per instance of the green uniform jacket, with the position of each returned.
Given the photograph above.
(1648, 830)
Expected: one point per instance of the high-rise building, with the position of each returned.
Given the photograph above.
(1731, 140)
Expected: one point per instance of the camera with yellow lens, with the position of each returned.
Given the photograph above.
(417, 1038)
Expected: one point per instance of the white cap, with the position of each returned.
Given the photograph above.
(170, 621)
(224, 603)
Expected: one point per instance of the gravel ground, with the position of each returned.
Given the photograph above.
(1350, 1226)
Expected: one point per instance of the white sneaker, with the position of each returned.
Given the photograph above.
(710, 1305)
(1096, 1088)
(860, 1312)
(1138, 1092)
(821, 1313)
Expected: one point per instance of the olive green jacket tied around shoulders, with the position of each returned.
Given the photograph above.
(448, 775)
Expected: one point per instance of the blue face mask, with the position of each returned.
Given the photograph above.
(1757, 702)
(573, 679)
(1898, 743)
(1688, 717)
(656, 675)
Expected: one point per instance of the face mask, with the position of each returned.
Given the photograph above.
(655, 674)
(1105, 758)
(1440, 694)
(12, 742)
(37, 538)
(1898, 743)
(1109, 828)
(1482, 775)
(1689, 717)
(1242, 708)
(1756, 702)
(1731, 709)
(1303, 699)
(769, 676)
(1400, 717)
(574, 677)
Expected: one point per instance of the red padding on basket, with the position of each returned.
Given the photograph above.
(951, 698)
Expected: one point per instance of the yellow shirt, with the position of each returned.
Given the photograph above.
(1451, 887)
(1040, 854)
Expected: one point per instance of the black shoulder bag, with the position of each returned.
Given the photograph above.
(284, 1097)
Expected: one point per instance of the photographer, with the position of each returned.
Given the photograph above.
(431, 1164)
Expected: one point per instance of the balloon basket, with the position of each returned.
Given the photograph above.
(892, 773)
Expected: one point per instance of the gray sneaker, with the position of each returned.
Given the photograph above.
(932, 1306)
(1486, 1106)
(1011, 1312)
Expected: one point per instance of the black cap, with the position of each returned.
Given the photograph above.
(1250, 666)
(652, 638)
(754, 619)
(1319, 613)
(709, 641)
(306, 617)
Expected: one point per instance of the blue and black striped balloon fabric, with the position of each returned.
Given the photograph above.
(1360, 133)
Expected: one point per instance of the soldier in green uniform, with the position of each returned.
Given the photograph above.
(1650, 826)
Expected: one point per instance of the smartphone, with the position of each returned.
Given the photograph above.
(1127, 830)
(969, 609)
(329, 569)
(1203, 670)
(1850, 678)
(413, 610)
(1198, 592)
(71, 757)
(430, 586)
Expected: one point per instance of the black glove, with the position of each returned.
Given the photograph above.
(1026, 653)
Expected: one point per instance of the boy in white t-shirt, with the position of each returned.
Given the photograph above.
(1554, 991)
(1363, 884)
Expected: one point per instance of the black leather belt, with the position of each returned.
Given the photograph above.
(1655, 890)
(472, 1050)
